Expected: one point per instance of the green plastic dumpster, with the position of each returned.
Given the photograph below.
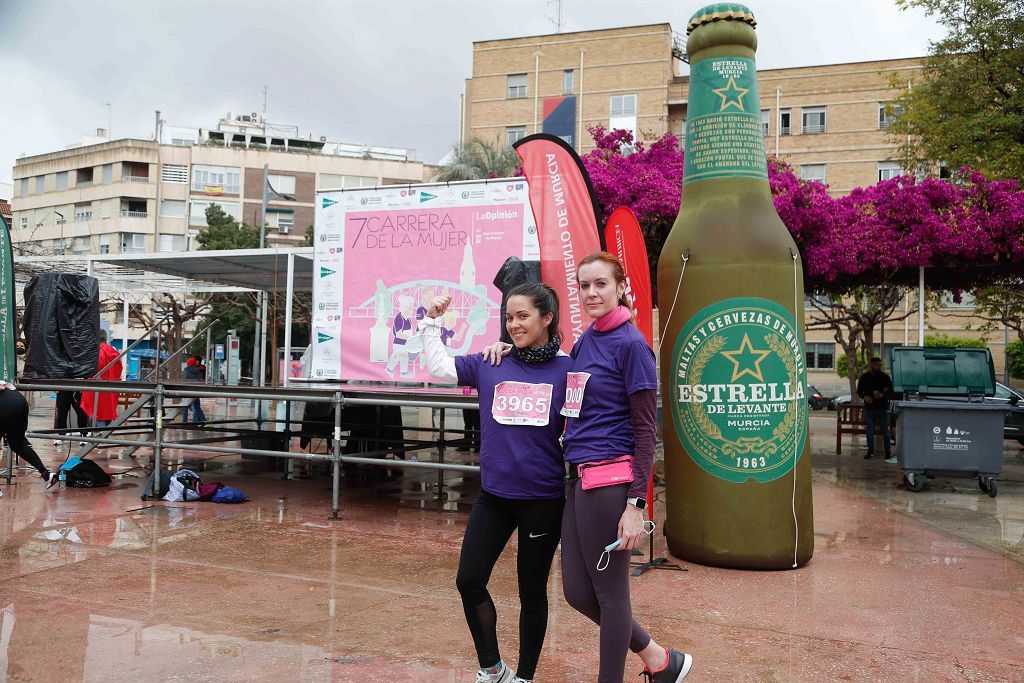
(944, 425)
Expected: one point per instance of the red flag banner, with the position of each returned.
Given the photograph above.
(567, 215)
(624, 238)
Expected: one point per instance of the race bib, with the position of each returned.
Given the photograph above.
(521, 403)
(575, 383)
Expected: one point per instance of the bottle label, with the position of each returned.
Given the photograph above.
(739, 399)
(724, 134)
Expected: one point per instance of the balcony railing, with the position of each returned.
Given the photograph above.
(679, 47)
(134, 214)
(83, 216)
(135, 179)
(814, 128)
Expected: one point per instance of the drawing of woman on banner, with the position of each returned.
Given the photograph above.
(402, 332)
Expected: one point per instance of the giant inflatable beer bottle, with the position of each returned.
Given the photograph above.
(730, 296)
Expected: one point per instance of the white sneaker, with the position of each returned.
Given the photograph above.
(891, 460)
(51, 481)
(57, 442)
(506, 675)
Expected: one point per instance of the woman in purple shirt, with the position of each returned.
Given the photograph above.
(521, 469)
(610, 416)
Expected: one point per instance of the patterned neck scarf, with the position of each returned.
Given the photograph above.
(538, 355)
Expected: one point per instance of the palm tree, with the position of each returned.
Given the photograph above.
(478, 159)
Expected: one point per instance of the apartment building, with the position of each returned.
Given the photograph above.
(124, 196)
(830, 122)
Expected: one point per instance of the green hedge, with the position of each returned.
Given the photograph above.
(1015, 355)
(948, 341)
(935, 341)
(862, 364)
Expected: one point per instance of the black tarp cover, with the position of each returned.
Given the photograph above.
(62, 326)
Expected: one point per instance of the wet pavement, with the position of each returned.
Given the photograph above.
(97, 585)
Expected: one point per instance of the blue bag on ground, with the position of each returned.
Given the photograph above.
(229, 494)
(70, 464)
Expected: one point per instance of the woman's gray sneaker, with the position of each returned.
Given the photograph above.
(679, 665)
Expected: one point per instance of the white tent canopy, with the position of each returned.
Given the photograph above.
(193, 271)
(274, 269)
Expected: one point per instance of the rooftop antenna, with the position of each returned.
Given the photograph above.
(110, 119)
(559, 19)
(264, 110)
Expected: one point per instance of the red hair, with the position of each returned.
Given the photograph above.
(618, 272)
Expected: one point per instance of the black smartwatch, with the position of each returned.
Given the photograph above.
(638, 503)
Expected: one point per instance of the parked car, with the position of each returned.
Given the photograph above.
(1014, 426)
(815, 399)
(836, 401)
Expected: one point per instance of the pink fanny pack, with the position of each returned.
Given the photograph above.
(594, 475)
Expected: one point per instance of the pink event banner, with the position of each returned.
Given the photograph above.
(379, 267)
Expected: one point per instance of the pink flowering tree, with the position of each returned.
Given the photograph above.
(860, 252)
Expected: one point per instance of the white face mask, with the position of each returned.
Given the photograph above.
(606, 556)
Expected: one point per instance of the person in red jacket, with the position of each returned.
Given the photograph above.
(104, 402)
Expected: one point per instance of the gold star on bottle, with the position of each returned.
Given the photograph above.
(731, 94)
(749, 358)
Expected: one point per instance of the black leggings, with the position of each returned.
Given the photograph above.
(14, 423)
(66, 401)
(491, 523)
(591, 522)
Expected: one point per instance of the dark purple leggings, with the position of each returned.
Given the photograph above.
(589, 523)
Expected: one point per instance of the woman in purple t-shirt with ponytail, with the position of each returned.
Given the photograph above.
(521, 469)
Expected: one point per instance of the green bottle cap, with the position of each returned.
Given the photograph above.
(720, 11)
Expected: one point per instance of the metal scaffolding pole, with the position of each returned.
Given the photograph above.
(336, 464)
(289, 285)
(158, 438)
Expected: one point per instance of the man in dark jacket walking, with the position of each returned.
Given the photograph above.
(875, 389)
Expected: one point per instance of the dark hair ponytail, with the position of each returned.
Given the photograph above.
(544, 299)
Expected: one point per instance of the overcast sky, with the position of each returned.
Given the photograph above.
(382, 72)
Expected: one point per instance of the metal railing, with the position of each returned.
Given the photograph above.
(157, 394)
(679, 47)
(134, 214)
(135, 178)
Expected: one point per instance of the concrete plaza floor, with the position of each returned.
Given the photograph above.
(98, 585)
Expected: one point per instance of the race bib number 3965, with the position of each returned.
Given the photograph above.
(521, 403)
